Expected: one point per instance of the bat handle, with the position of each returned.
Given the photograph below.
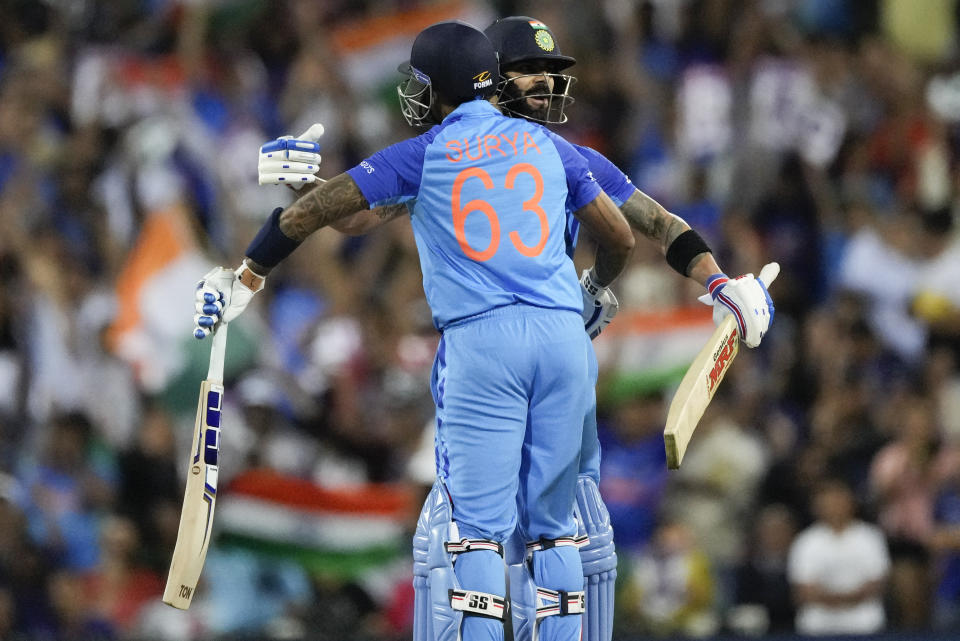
(217, 351)
(769, 272)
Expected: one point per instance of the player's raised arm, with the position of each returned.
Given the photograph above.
(745, 297)
(391, 177)
(223, 294)
(294, 162)
(685, 251)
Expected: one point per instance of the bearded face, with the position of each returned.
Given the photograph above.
(536, 93)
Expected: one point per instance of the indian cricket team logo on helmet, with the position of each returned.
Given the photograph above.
(544, 40)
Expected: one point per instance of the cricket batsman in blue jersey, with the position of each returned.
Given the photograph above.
(533, 86)
(489, 199)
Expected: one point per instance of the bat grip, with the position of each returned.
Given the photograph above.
(217, 351)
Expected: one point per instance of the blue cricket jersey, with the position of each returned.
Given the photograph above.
(614, 182)
(489, 213)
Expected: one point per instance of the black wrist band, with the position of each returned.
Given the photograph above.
(270, 245)
(685, 248)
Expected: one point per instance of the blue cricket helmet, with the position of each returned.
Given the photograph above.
(452, 59)
(522, 41)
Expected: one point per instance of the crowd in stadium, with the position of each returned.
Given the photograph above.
(821, 134)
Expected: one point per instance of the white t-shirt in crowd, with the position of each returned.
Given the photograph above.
(839, 562)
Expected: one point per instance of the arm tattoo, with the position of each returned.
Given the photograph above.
(649, 218)
(331, 201)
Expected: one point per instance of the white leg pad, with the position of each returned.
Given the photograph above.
(439, 600)
(599, 560)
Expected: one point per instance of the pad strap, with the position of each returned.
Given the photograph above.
(481, 604)
(472, 545)
(545, 544)
(559, 602)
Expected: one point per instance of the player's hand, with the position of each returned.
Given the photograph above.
(291, 161)
(746, 298)
(221, 297)
(599, 305)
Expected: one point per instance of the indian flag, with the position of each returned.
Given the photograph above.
(369, 49)
(157, 282)
(536, 24)
(341, 532)
(651, 350)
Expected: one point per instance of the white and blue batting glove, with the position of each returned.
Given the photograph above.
(599, 304)
(746, 298)
(291, 161)
(221, 297)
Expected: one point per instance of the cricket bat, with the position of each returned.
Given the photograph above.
(200, 497)
(700, 382)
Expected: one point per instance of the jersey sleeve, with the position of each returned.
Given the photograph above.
(614, 182)
(582, 187)
(392, 175)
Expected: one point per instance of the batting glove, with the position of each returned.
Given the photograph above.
(746, 298)
(291, 161)
(599, 304)
(221, 297)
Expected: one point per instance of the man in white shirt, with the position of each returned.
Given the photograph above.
(837, 568)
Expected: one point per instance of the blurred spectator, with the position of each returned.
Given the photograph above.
(945, 542)
(936, 302)
(65, 490)
(120, 586)
(379, 398)
(265, 434)
(788, 222)
(762, 578)
(150, 490)
(838, 568)
(903, 484)
(633, 468)
(246, 592)
(669, 588)
(843, 431)
(880, 263)
(73, 614)
(714, 490)
(23, 570)
(240, 595)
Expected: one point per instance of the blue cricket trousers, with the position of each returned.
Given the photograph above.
(511, 388)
